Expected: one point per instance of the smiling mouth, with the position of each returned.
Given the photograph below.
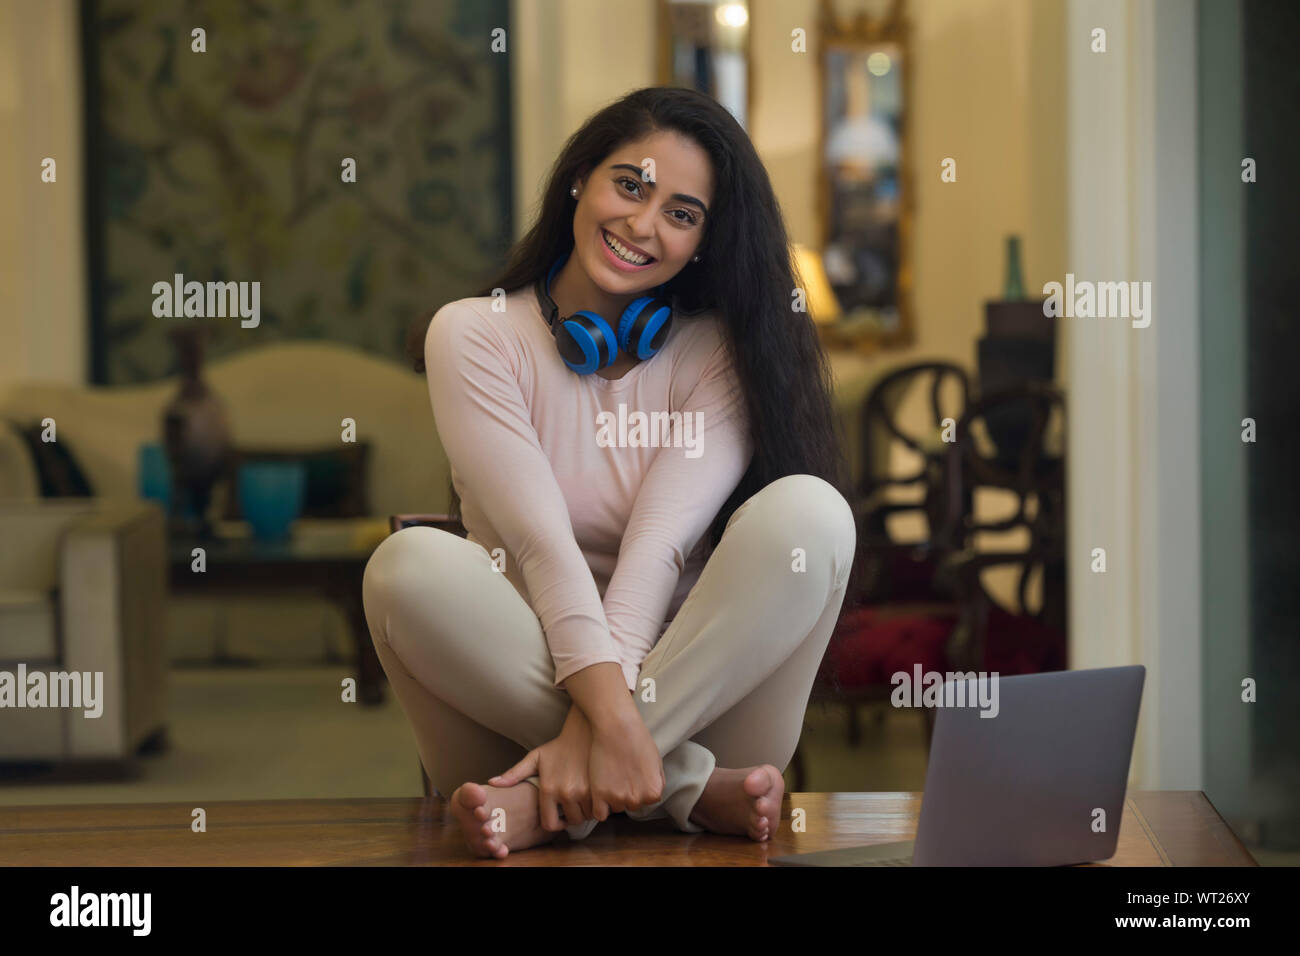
(623, 251)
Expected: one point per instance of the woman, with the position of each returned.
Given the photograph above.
(700, 567)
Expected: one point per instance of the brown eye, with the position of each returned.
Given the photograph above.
(691, 219)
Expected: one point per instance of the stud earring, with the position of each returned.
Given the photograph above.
(574, 192)
(696, 259)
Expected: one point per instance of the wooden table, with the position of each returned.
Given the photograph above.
(1159, 828)
(323, 558)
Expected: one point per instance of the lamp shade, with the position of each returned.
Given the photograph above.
(822, 304)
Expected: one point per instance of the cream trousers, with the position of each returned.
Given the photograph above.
(468, 661)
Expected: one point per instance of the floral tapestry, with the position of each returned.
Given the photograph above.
(219, 140)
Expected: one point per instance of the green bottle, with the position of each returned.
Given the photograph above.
(1013, 288)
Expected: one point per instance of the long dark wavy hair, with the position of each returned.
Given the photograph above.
(746, 275)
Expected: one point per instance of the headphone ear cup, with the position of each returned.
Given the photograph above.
(644, 326)
(586, 342)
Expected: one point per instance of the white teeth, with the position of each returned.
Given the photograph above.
(624, 253)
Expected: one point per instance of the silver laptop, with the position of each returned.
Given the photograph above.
(1026, 787)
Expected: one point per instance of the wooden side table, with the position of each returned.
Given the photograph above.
(322, 557)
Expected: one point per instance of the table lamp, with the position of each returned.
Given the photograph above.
(822, 304)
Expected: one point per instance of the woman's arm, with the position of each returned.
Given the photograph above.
(600, 692)
(486, 430)
(677, 502)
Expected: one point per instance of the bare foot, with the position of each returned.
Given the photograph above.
(473, 805)
(741, 802)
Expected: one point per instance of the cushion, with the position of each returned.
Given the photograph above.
(18, 475)
(1017, 644)
(869, 646)
(27, 627)
(58, 472)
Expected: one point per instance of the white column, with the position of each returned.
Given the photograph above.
(1134, 392)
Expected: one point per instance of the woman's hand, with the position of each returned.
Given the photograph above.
(625, 769)
(561, 769)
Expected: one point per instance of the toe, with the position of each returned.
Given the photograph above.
(756, 782)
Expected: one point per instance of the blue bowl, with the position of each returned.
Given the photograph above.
(270, 496)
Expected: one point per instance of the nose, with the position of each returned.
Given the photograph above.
(641, 225)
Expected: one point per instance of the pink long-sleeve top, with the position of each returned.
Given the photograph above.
(603, 534)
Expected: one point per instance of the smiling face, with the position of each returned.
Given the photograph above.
(658, 224)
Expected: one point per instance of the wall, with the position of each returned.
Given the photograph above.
(988, 88)
(42, 264)
(571, 58)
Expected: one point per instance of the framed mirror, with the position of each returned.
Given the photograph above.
(865, 193)
(704, 45)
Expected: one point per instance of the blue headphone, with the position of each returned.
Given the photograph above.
(585, 340)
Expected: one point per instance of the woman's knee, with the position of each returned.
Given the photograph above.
(806, 501)
(409, 561)
(806, 512)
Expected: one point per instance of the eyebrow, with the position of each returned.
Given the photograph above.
(680, 196)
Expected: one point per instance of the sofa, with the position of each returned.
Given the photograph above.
(82, 592)
(288, 396)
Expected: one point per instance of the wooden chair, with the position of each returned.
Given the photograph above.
(894, 569)
(872, 641)
(443, 522)
(1030, 471)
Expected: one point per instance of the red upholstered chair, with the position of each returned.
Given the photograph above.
(873, 642)
(446, 523)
